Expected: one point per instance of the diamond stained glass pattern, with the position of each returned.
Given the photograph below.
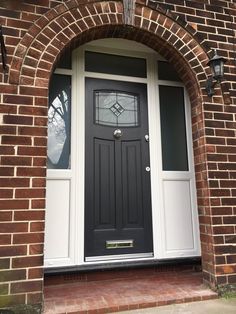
(116, 109)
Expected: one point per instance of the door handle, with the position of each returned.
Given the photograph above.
(117, 133)
(146, 138)
(148, 169)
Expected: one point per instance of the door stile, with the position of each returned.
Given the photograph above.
(155, 153)
(118, 183)
(79, 142)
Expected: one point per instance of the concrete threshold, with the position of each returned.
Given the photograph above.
(216, 306)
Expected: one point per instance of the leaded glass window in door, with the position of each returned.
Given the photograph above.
(115, 108)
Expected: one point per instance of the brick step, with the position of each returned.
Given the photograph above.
(151, 289)
(114, 274)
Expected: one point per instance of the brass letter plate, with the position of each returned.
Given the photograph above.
(119, 244)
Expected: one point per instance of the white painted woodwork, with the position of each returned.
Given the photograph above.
(57, 230)
(178, 219)
(174, 206)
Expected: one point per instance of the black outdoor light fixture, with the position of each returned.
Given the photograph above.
(217, 66)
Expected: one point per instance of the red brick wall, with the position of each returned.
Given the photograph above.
(35, 36)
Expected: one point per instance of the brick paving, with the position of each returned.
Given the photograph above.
(134, 290)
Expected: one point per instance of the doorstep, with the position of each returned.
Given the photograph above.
(120, 290)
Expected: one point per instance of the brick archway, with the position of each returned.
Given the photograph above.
(74, 23)
(71, 24)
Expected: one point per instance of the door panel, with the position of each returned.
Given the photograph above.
(132, 184)
(57, 229)
(104, 184)
(117, 187)
(178, 216)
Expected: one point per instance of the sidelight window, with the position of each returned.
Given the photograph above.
(59, 121)
(173, 129)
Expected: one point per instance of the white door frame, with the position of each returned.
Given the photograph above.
(158, 177)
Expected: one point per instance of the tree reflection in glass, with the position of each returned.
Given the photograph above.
(59, 122)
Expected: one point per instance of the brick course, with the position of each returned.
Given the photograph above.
(184, 32)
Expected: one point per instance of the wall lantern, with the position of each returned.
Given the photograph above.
(217, 66)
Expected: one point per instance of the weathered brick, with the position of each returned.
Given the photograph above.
(13, 227)
(38, 204)
(40, 162)
(6, 129)
(36, 249)
(37, 226)
(6, 193)
(13, 299)
(32, 151)
(36, 34)
(34, 131)
(17, 161)
(6, 171)
(12, 275)
(16, 140)
(36, 273)
(31, 172)
(33, 111)
(29, 261)
(29, 215)
(35, 298)
(21, 120)
(18, 99)
(7, 150)
(25, 238)
(14, 204)
(39, 182)
(40, 141)
(13, 250)
(30, 193)
(14, 182)
(5, 239)
(4, 288)
(30, 286)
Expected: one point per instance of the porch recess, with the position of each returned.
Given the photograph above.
(174, 223)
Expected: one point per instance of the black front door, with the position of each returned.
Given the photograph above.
(118, 217)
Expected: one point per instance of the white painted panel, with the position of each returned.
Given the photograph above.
(57, 219)
(178, 216)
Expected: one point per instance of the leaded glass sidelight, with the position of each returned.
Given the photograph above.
(59, 122)
(116, 109)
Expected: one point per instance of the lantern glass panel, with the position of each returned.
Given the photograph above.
(218, 69)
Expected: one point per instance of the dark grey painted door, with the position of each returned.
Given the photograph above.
(117, 185)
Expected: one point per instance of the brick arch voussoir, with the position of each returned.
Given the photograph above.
(180, 38)
(161, 7)
(33, 47)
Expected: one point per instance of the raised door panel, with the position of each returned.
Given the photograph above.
(104, 185)
(132, 184)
